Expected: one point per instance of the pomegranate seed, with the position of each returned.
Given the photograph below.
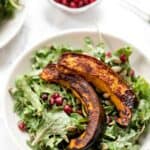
(81, 3)
(123, 58)
(58, 1)
(22, 126)
(86, 2)
(108, 54)
(65, 2)
(59, 101)
(77, 1)
(56, 99)
(132, 73)
(73, 5)
(44, 96)
(68, 109)
(91, 1)
(52, 101)
(55, 95)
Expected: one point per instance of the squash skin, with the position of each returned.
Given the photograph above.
(85, 93)
(105, 79)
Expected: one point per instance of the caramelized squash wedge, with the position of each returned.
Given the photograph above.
(103, 78)
(85, 93)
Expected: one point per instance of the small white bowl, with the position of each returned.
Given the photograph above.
(74, 10)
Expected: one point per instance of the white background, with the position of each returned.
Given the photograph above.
(43, 20)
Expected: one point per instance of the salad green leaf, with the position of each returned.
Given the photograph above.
(7, 8)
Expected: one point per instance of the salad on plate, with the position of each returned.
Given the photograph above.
(87, 98)
(8, 8)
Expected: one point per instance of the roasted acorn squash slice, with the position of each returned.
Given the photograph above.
(85, 93)
(103, 78)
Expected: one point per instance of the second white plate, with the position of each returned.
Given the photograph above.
(12, 26)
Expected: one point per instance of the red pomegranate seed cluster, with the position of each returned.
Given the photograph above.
(75, 3)
(57, 99)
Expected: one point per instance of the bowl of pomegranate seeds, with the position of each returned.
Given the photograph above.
(74, 6)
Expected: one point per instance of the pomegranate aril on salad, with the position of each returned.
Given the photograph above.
(75, 3)
(52, 101)
(68, 109)
(57, 99)
(123, 58)
(55, 95)
(22, 126)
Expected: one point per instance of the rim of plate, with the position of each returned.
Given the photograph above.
(26, 52)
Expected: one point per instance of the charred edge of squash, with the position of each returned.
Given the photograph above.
(82, 90)
(129, 93)
(128, 98)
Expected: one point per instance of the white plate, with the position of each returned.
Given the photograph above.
(23, 65)
(12, 26)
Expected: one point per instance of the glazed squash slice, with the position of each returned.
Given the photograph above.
(103, 78)
(85, 93)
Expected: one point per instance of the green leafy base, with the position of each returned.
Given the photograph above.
(40, 119)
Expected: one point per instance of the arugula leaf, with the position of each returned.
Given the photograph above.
(125, 50)
(55, 128)
(55, 124)
(28, 94)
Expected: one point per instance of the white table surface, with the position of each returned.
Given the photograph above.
(43, 21)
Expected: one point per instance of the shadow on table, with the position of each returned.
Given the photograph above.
(87, 19)
(13, 49)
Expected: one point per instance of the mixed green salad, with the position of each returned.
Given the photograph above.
(50, 125)
(7, 8)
